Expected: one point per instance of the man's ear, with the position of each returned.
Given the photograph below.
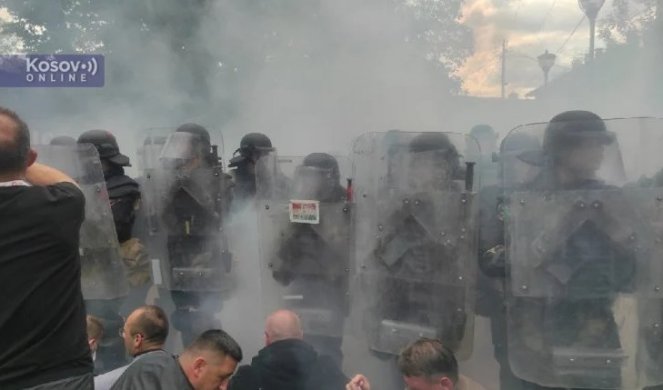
(32, 157)
(446, 383)
(198, 365)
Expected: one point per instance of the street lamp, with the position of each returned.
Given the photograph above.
(591, 9)
(546, 61)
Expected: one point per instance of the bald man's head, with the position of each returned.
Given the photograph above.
(145, 329)
(283, 325)
(14, 143)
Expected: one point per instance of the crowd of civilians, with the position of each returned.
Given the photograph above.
(47, 342)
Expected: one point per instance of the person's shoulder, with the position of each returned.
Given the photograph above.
(121, 180)
(106, 380)
(148, 368)
(153, 360)
(244, 378)
(327, 374)
(65, 187)
(63, 192)
(122, 185)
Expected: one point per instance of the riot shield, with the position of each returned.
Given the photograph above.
(305, 227)
(416, 239)
(191, 197)
(151, 142)
(102, 270)
(583, 252)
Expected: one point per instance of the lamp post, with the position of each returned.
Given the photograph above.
(591, 9)
(546, 61)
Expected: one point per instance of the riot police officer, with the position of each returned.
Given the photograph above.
(410, 296)
(196, 196)
(565, 269)
(415, 241)
(123, 191)
(252, 147)
(416, 270)
(315, 259)
(124, 196)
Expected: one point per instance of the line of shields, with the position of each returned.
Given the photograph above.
(383, 244)
(378, 246)
(396, 258)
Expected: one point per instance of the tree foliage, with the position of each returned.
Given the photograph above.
(194, 53)
(88, 26)
(628, 22)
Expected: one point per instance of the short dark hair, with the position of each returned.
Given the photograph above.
(217, 340)
(14, 154)
(152, 323)
(428, 358)
(95, 329)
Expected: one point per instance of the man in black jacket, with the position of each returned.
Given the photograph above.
(43, 339)
(288, 362)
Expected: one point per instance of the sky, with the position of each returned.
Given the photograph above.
(530, 27)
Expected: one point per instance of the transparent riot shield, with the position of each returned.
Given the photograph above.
(150, 144)
(305, 226)
(191, 198)
(102, 270)
(583, 254)
(416, 239)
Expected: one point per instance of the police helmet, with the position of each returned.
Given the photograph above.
(426, 142)
(106, 145)
(251, 148)
(253, 142)
(197, 130)
(440, 144)
(572, 128)
(323, 161)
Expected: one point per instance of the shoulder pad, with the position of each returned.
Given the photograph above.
(122, 185)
